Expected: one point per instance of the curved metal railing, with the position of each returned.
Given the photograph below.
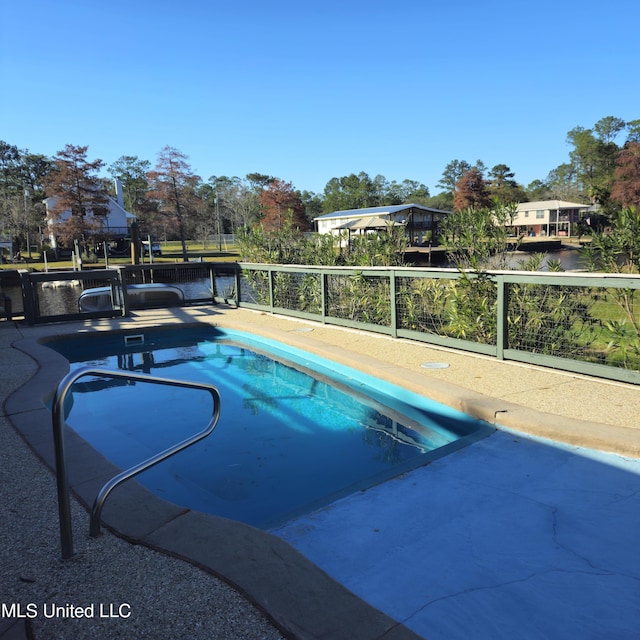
(64, 509)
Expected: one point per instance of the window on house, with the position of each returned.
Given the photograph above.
(539, 215)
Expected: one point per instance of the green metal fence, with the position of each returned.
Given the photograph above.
(580, 322)
(584, 323)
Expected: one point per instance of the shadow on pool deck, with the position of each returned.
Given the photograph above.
(517, 535)
(506, 538)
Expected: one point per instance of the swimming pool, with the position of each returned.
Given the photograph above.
(296, 431)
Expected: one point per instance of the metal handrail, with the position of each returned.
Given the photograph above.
(64, 509)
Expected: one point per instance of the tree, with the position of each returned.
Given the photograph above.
(312, 205)
(132, 173)
(238, 204)
(563, 183)
(77, 189)
(442, 201)
(626, 188)
(173, 185)
(537, 190)
(360, 191)
(450, 178)
(382, 191)
(9, 169)
(281, 204)
(22, 176)
(608, 128)
(633, 131)
(205, 219)
(472, 191)
(9, 185)
(503, 186)
(451, 174)
(258, 182)
(351, 192)
(407, 192)
(593, 158)
(34, 169)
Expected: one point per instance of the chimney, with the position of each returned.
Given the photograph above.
(119, 194)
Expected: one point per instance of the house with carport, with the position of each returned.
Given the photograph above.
(421, 223)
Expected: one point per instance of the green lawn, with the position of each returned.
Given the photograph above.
(171, 253)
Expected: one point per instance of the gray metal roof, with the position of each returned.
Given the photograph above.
(376, 211)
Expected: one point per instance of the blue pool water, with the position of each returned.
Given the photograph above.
(295, 432)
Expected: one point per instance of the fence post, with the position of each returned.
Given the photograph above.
(238, 271)
(270, 271)
(212, 281)
(502, 310)
(122, 277)
(323, 294)
(28, 297)
(393, 303)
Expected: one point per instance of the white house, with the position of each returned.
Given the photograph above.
(114, 225)
(548, 218)
(419, 221)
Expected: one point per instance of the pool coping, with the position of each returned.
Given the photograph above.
(588, 434)
(296, 595)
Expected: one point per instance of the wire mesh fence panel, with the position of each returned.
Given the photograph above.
(422, 304)
(464, 307)
(167, 274)
(359, 298)
(297, 291)
(591, 324)
(551, 320)
(617, 314)
(194, 280)
(182, 274)
(225, 282)
(254, 286)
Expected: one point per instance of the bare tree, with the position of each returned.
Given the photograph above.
(172, 184)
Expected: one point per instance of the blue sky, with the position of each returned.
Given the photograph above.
(306, 91)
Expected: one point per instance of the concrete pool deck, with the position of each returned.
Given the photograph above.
(523, 537)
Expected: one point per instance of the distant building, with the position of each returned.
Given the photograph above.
(115, 225)
(421, 223)
(548, 218)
